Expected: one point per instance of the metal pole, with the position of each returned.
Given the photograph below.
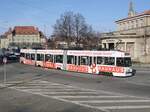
(145, 41)
(4, 73)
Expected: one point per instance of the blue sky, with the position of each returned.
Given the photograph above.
(101, 14)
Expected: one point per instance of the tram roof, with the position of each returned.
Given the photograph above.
(98, 53)
(80, 52)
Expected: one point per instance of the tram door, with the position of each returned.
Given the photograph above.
(86, 60)
(92, 61)
(111, 46)
(65, 60)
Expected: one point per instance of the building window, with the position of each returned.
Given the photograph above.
(141, 22)
(104, 45)
(136, 23)
(120, 26)
(130, 48)
(126, 26)
(132, 24)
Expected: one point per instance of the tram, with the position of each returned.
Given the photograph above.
(115, 63)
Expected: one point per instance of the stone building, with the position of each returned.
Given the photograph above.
(132, 35)
(23, 37)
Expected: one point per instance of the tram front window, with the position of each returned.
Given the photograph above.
(127, 62)
(124, 62)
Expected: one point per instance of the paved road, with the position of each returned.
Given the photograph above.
(32, 89)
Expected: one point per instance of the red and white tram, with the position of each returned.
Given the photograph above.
(28, 56)
(114, 63)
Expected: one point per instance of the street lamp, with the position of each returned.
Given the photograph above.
(3, 25)
(145, 40)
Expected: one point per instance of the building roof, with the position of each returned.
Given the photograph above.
(25, 30)
(147, 12)
(8, 32)
(2, 36)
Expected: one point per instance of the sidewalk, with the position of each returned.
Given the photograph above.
(139, 66)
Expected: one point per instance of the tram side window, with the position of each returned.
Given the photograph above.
(95, 60)
(70, 60)
(27, 56)
(84, 60)
(49, 57)
(90, 61)
(79, 58)
(59, 58)
(75, 60)
(40, 57)
(109, 60)
(124, 62)
(100, 60)
(22, 54)
(120, 62)
(32, 56)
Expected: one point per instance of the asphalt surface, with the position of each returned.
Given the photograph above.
(34, 89)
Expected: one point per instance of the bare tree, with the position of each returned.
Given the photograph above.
(51, 43)
(71, 27)
(64, 27)
(91, 40)
(80, 28)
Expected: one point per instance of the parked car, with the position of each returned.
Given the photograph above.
(12, 58)
(1, 59)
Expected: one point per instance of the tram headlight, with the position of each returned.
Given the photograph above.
(129, 70)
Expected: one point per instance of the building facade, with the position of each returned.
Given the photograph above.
(132, 36)
(23, 37)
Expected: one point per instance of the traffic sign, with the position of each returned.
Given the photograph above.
(5, 60)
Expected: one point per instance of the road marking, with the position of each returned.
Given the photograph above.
(37, 82)
(13, 82)
(62, 92)
(69, 86)
(112, 101)
(90, 96)
(49, 88)
(57, 92)
(31, 84)
(43, 84)
(103, 108)
(99, 91)
(124, 107)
